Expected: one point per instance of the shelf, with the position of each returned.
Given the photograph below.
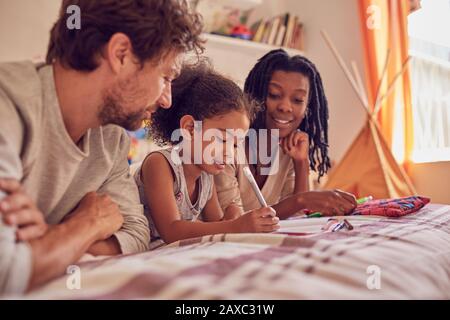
(233, 44)
(241, 4)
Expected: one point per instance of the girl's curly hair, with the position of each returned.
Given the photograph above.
(203, 93)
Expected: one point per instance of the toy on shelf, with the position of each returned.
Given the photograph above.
(227, 18)
(242, 32)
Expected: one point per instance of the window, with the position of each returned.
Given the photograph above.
(430, 80)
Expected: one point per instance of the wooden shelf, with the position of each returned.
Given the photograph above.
(234, 44)
(242, 4)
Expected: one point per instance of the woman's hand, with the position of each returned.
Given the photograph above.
(329, 202)
(296, 145)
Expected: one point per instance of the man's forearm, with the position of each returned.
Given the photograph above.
(61, 246)
(108, 247)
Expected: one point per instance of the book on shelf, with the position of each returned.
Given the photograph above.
(258, 34)
(282, 31)
(280, 36)
(254, 28)
(298, 37)
(267, 31)
(274, 31)
(285, 24)
(289, 30)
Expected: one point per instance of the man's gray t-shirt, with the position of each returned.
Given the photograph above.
(36, 149)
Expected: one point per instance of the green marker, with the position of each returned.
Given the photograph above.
(364, 200)
(315, 215)
(359, 201)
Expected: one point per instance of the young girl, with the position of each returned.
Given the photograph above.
(294, 102)
(176, 184)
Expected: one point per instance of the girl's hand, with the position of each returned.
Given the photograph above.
(329, 202)
(259, 220)
(296, 145)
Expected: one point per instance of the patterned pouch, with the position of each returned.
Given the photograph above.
(392, 207)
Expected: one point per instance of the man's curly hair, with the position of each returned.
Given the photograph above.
(155, 27)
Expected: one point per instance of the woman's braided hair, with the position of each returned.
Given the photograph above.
(315, 123)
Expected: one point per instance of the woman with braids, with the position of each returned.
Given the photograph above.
(178, 192)
(291, 92)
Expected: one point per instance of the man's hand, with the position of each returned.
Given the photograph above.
(18, 209)
(102, 212)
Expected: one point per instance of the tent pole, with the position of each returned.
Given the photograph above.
(380, 81)
(408, 182)
(343, 66)
(391, 86)
(360, 84)
(376, 140)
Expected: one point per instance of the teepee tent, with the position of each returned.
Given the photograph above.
(368, 167)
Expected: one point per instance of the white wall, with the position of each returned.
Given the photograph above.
(432, 180)
(340, 19)
(25, 27)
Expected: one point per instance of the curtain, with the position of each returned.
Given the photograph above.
(383, 27)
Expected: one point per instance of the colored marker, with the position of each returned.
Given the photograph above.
(339, 226)
(248, 174)
(348, 224)
(359, 201)
(315, 215)
(329, 223)
(364, 200)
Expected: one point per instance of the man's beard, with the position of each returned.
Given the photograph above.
(112, 112)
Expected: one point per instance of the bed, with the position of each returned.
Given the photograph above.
(381, 258)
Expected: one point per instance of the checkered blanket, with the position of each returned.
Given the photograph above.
(395, 258)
